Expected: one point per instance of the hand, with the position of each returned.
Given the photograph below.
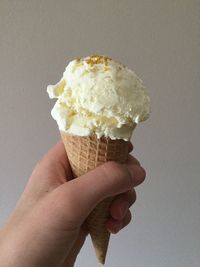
(45, 229)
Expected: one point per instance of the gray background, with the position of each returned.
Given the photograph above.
(160, 41)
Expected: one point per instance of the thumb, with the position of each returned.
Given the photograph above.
(82, 194)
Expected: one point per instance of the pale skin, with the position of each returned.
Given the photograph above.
(46, 227)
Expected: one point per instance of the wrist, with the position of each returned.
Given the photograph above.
(16, 250)
(13, 249)
(7, 254)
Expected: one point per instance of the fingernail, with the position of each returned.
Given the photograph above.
(123, 209)
(116, 228)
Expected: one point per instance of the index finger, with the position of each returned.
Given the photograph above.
(54, 163)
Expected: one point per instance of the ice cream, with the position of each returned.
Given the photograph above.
(97, 95)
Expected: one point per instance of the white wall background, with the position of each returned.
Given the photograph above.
(160, 40)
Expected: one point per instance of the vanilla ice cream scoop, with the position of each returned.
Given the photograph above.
(97, 95)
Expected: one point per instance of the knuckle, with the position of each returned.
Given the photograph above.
(120, 175)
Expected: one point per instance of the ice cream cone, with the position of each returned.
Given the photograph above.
(86, 153)
(98, 96)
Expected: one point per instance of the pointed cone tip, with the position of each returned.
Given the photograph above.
(101, 258)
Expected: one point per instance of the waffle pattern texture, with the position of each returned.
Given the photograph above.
(85, 154)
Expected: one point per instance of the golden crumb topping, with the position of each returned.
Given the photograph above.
(96, 59)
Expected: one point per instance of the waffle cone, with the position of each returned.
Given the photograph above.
(85, 154)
